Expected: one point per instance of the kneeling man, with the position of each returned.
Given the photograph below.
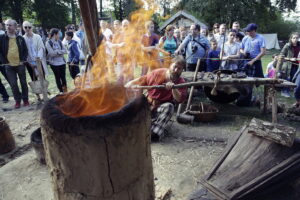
(162, 100)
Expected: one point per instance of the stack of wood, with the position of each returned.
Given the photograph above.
(293, 114)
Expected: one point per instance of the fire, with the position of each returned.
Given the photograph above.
(101, 90)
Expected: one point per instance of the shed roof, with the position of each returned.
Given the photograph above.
(179, 14)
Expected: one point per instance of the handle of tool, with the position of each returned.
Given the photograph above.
(192, 88)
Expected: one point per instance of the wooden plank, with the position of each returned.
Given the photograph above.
(278, 133)
(250, 163)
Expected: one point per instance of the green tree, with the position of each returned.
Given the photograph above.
(123, 8)
(51, 13)
(286, 5)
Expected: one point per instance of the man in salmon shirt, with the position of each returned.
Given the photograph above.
(162, 100)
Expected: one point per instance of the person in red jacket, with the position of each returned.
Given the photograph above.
(162, 100)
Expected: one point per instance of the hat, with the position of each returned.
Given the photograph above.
(250, 27)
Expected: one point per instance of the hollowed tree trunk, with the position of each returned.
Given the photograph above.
(99, 157)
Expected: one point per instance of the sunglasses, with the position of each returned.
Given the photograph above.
(216, 27)
(27, 27)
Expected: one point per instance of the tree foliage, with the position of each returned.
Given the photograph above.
(123, 8)
(262, 12)
(51, 13)
(286, 5)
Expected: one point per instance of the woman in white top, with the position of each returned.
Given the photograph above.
(230, 52)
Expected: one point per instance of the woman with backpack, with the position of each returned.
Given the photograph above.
(55, 56)
(169, 45)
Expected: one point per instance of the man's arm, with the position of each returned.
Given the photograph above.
(259, 56)
(178, 94)
(182, 45)
(134, 82)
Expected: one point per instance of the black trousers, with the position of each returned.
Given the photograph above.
(60, 76)
(74, 69)
(3, 91)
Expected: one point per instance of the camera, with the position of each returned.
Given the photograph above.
(194, 48)
(247, 55)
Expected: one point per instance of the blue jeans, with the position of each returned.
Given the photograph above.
(297, 89)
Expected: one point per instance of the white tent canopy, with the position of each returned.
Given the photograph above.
(271, 40)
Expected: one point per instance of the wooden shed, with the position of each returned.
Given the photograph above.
(182, 18)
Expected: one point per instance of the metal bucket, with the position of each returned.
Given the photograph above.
(37, 143)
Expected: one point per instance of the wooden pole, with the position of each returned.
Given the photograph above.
(193, 87)
(251, 81)
(88, 9)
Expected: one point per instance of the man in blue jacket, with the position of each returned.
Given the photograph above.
(73, 54)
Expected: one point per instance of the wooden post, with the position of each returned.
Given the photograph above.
(266, 91)
(274, 105)
(42, 79)
(104, 157)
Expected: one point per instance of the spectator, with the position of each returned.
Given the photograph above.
(215, 30)
(73, 54)
(56, 51)
(149, 46)
(80, 32)
(69, 27)
(1, 29)
(14, 53)
(36, 49)
(289, 66)
(296, 79)
(125, 66)
(117, 26)
(213, 61)
(169, 44)
(108, 34)
(3, 92)
(183, 33)
(230, 52)
(254, 48)
(271, 68)
(169, 41)
(162, 100)
(196, 47)
(177, 33)
(221, 36)
(236, 27)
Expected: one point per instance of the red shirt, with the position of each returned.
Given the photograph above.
(158, 77)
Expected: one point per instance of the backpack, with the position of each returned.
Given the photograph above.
(51, 45)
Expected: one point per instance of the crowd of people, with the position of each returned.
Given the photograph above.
(232, 49)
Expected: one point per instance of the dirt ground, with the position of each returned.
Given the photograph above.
(184, 155)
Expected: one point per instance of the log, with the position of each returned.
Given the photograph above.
(105, 157)
(278, 133)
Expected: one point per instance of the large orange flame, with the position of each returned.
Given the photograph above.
(100, 92)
